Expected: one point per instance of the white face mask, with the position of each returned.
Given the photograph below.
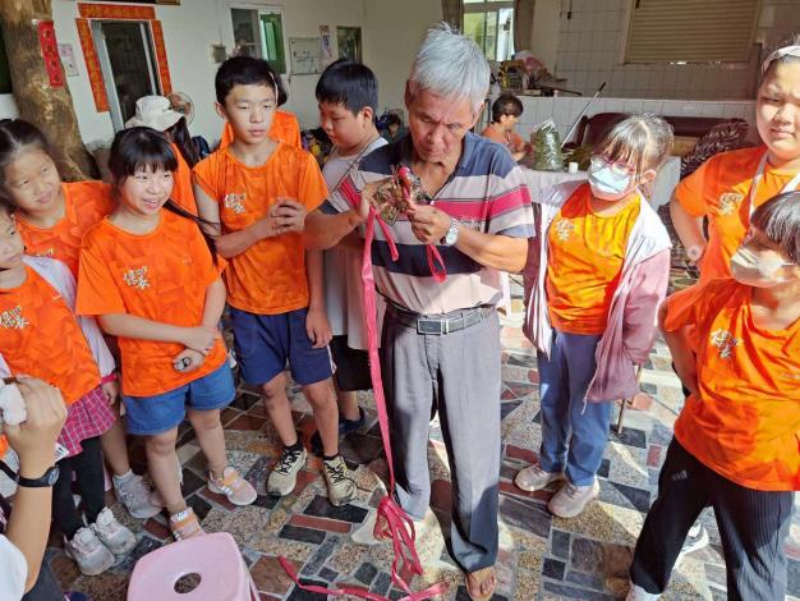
(608, 183)
(748, 268)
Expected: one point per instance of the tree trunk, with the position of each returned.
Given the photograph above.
(50, 108)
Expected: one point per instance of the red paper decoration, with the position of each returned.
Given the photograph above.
(52, 62)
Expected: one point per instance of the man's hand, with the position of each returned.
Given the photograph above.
(188, 360)
(111, 390)
(34, 439)
(428, 223)
(318, 327)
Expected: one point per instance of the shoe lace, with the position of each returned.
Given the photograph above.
(136, 492)
(287, 461)
(336, 472)
(571, 491)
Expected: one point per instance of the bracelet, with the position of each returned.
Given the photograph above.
(112, 377)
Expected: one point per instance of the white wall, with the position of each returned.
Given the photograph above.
(544, 40)
(8, 109)
(591, 44)
(393, 31)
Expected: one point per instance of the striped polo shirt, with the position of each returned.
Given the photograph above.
(486, 192)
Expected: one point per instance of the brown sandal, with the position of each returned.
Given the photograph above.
(475, 582)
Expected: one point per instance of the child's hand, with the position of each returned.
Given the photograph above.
(686, 368)
(188, 360)
(318, 328)
(289, 215)
(201, 338)
(35, 438)
(111, 390)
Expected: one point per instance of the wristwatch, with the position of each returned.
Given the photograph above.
(451, 237)
(48, 480)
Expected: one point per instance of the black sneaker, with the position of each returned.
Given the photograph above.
(346, 426)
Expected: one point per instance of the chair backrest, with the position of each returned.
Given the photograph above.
(592, 129)
(215, 558)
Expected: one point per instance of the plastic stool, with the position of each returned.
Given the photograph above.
(214, 557)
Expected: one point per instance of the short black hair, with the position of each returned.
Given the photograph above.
(247, 71)
(779, 219)
(393, 119)
(349, 83)
(506, 104)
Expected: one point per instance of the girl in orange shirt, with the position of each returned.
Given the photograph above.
(151, 279)
(156, 112)
(728, 187)
(41, 337)
(736, 439)
(52, 216)
(596, 272)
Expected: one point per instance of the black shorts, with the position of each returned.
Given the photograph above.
(352, 366)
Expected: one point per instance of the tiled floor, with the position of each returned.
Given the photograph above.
(541, 557)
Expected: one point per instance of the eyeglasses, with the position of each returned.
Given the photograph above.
(619, 169)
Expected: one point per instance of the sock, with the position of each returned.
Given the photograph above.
(126, 477)
(298, 446)
(330, 457)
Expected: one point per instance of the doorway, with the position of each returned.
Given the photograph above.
(127, 62)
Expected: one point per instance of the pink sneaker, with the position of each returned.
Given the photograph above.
(238, 490)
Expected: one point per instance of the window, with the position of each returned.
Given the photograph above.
(691, 31)
(490, 23)
(259, 33)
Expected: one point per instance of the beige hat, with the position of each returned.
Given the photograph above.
(155, 112)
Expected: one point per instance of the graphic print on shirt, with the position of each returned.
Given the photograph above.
(13, 319)
(563, 229)
(729, 202)
(724, 342)
(137, 278)
(235, 202)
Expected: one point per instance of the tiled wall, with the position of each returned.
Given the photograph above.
(591, 47)
(565, 110)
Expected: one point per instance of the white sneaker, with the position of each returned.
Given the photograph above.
(116, 537)
(695, 540)
(637, 593)
(283, 479)
(136, 497)
(535, 478)
(86, 550)
(341, 488)
(570, 501)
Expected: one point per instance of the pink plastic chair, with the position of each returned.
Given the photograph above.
(215, 558)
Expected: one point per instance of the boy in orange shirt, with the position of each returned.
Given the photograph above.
(736, 440)
(260, 190)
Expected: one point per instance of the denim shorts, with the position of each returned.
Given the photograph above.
(264, 343)
(148, 415)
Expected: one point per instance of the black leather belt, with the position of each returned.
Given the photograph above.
(441, 324)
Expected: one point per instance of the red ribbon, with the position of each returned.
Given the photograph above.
(395, 525)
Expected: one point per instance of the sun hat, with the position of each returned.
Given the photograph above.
(155, 112)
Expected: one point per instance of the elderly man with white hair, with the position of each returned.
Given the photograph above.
(440, 345)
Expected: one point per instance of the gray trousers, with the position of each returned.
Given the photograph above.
(459, 375)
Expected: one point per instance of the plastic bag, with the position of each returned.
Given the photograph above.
(547, 148)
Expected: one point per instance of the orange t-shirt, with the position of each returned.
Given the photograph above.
(745, 422)
(85, 203)
(270, 276)
(720, 191)
(585, 256)
(511, 140)
(42, 338)
(285, 128)
(162, 276)
(182, 192)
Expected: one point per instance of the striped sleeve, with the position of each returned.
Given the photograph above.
(510, 211)
(346, 196)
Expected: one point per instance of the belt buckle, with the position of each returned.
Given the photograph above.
(429, 326)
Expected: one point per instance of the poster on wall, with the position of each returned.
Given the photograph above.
(349, 41)
(306, 56)
(67, 55)
(326, 44)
